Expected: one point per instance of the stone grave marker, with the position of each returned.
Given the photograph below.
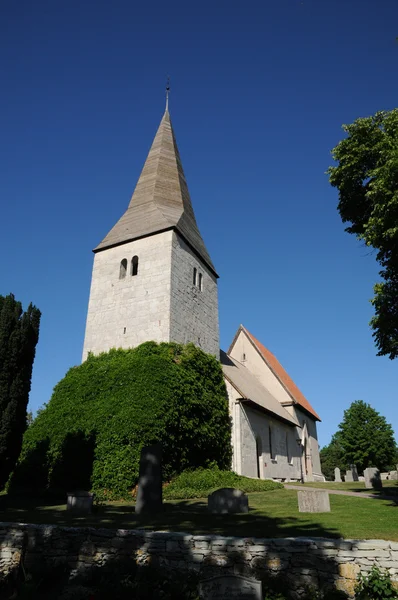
(227, 500)
(224, 587)
(393, 475)
(384, 476)
(354, 472)
(80, 501)
(149, 494)
(372, 478)
(337, 475)
(313, 501)
(348, 476)
(361, 478)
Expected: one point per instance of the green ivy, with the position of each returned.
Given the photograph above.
(104, 411)
(375, 585)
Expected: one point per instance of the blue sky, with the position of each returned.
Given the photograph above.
(259, 92)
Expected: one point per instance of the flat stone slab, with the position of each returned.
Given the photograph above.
(228, 500)
(313, 501)
(224, 587)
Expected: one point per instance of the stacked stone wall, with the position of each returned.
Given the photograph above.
(303, 562)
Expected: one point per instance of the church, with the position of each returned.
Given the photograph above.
(153, 279)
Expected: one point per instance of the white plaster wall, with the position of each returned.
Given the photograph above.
(256, 365)
(278, 468)
(193, 312)
(123, 313)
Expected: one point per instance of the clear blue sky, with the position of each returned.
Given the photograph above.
(259, 92)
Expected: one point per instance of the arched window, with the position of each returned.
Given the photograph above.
(123, 268)
(200, 281)
(134, 265)
(195, 272)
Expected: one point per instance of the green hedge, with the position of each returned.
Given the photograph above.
(201, 482)
(101, 414)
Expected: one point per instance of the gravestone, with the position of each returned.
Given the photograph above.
(372, 478)
(393, 475)
(224, 587)
(348, 476)
(80, 501)
(384, 476)
(149, 494)
(361, 478)
(227, 500)
(313, 501)
(337, 475)
(354, 472)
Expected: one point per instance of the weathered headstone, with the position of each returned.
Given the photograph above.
(224, 587)
(337, 475)
(393, 475)
(361, 478)
(384, 476)
(348, 476)
(313, 501)
(149, 494)
(372, 478)
(354, 472)
(80, 501)
(227, 500)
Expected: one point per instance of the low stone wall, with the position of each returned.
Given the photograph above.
(303, 562)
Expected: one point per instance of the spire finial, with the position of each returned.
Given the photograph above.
(167, 93)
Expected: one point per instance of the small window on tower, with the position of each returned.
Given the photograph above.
(123, 268)
(134, 265)
(200, 281)
(195, 273)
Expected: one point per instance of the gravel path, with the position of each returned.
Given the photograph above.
(343, 493)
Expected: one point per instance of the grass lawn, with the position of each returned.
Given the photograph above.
(272, 514)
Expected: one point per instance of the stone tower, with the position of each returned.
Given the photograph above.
(153, 278)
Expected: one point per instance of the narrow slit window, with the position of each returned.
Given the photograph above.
(195, 273)
(200, 281)
(271, 449)
(134, 266)
(123, 268)
(288, 453)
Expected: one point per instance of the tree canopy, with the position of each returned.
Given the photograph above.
(104, 411)
(367, 180)
(19, 333)
(364, 438)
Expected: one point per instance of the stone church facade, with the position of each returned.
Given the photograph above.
(153, 279)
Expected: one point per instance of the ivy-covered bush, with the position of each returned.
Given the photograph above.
(104, 411)
(201, 482)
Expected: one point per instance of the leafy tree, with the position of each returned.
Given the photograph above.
(332, 456)
(367, 180)
(19, 333)
(104, 411)
(366, 438)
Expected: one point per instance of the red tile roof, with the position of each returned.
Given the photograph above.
(281, 374)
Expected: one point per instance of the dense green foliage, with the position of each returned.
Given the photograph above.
(375, 585)
(104, 411)
(201, 482)
(332, 456)
(367, 180)
(19, 333)
(364, 438)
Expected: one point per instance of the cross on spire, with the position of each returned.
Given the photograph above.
(167, 93)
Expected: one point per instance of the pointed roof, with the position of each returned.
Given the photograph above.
(251, 390)
(280, 373)
(161, 199)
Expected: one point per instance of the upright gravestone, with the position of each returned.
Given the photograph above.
(348, 476)
(313, 501)
(149, 495)
(337, 475)
(227, 500)
(372, 478)
(354, 472)
(224, 587)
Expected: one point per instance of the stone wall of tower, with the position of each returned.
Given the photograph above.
(123, 313)
(194, 311)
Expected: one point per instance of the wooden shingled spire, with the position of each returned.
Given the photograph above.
(160, 200)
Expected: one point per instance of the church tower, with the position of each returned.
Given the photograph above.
(153, 278)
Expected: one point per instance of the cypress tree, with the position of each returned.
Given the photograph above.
(19, 333)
